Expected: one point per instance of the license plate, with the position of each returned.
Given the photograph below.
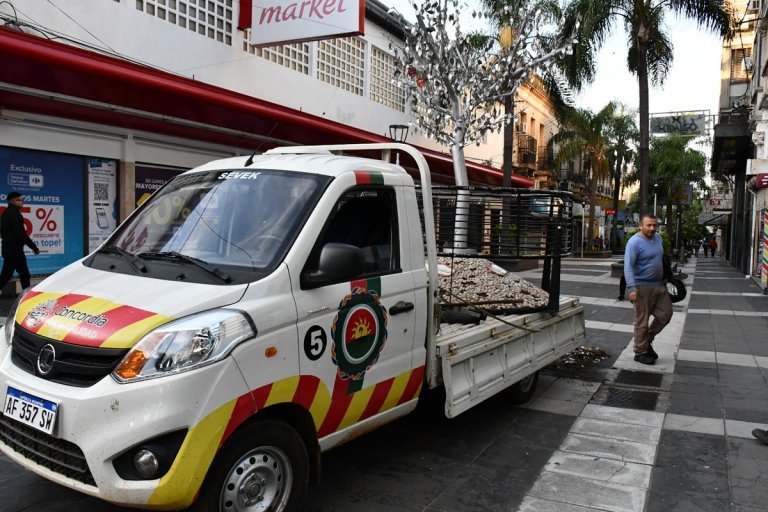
(30, 410)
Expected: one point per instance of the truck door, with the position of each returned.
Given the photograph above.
(357, 331)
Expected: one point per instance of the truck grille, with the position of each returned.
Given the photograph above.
(60, 456)
(74, 365)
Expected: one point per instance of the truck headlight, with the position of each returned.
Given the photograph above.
(10, 322)
(184, 344)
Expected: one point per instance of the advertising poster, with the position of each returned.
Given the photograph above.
(52, 186)
(150, 178)
(764, 263)
(102, 200)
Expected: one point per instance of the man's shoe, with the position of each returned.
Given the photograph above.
(645, 358)
(761, 435)
(652, 352)
(621, 297)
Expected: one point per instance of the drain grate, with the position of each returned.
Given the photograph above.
(630, 399)
(639, 378)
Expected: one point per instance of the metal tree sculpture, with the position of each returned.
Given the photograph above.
(456, 80)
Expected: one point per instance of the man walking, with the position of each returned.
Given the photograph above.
(644, 272)
(14, 238)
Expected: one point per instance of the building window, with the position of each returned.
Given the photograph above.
(211, 18)
(741, 63)
(384, 90)
(293, 56)
(341, 62)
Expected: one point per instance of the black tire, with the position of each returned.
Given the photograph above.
(263, 467)
(523, 390)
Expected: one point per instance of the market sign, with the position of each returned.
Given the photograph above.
(274, 22)
(762, 181)
(679, 123)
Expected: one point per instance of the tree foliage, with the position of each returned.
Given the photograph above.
(586, 135)
(650, 51)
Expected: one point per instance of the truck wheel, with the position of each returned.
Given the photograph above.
(522, 391)
(264, 467)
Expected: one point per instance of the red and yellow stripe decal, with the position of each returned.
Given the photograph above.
(331, 413)
(86, 320)
(180, 485)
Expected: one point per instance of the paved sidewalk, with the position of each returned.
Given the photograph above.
(675, 436)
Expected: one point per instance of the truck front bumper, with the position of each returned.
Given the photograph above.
(101, 422)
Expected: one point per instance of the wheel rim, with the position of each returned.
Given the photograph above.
(260, 481)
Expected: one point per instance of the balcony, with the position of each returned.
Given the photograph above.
(526, 150)
(546, 160)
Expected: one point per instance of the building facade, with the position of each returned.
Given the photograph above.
(95, 114)
(730, 206)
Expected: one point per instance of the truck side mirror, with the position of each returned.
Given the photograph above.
(338, 262)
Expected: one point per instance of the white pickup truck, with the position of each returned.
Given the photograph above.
(252, 314)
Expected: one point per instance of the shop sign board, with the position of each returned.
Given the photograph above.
(762, 181)
(289, 21)
(679, 123)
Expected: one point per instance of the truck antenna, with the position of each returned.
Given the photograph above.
(250, 158)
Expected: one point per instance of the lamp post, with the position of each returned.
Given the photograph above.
(655, 190)
(398, 133)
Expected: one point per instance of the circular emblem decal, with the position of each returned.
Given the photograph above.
(46, 359)
(359, 332)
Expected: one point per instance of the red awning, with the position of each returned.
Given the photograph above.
(51, 78)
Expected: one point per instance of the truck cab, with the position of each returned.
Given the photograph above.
(253, 313)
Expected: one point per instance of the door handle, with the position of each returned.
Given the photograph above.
(401, 307)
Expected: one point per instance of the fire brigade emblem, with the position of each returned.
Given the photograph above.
(359, 332)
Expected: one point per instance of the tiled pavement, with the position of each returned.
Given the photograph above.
(582, 444)
(693, 451)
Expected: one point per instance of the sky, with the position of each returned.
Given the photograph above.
(693, 82)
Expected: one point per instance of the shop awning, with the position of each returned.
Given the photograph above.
(51, 78)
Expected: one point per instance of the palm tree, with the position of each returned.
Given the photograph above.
(674, 165)
(586, 135)
(623, 134)
(650, 50)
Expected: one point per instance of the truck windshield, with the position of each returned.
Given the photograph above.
(236, 220)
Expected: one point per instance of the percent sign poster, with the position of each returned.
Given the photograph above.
(52, 185)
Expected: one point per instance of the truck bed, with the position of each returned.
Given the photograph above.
(478, 361)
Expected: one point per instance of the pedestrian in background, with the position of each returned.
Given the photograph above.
(644, 272)
(696, 247)
(706, 247)
(14, 238)
(713, 247)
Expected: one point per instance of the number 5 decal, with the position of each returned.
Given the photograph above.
(315, 341)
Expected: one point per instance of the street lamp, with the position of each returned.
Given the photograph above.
(398, 133)
(655, 190)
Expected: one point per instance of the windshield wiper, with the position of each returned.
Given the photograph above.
(113, 249)
(177, 256)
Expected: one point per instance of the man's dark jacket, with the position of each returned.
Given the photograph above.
(12, 231)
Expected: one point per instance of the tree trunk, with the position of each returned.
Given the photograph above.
(615, 242)
(506, 168)
(509, 140)
(461, 224)
(592, 201)
(642, 81)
